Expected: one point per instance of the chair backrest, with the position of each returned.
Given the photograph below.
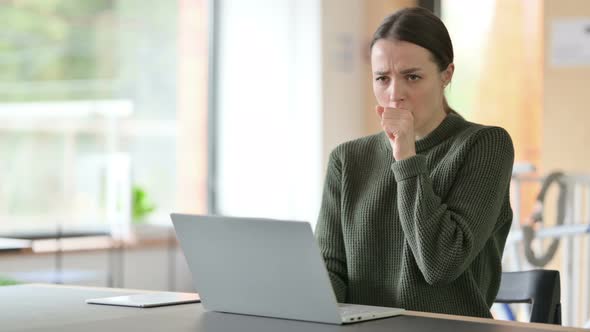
(540, 288)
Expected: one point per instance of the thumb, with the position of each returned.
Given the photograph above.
(379, 110)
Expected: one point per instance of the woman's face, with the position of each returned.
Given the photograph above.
(405, 76)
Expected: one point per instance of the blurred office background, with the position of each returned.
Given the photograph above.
(115, 113)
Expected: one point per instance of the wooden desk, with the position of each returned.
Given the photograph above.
(62, 308)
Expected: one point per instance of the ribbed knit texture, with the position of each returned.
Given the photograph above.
(426, 233)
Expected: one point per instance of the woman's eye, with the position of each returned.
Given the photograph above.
(382, 79)
(413, 77)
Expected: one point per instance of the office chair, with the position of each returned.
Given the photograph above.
(540, 288)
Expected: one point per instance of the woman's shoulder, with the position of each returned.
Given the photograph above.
(479, 136)
(360, 146)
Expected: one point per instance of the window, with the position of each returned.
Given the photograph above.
(93, 95)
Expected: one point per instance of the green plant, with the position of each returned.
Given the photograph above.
(141, 206)
(7, 282)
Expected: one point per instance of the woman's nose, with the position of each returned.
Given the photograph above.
(396, 92)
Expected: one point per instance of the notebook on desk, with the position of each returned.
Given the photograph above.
(265, 268)
(147, 300)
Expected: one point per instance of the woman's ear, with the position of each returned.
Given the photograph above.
(447, 74)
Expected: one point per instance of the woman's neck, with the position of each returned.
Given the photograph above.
(431, 125)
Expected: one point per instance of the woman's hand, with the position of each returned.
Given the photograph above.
(398, 124)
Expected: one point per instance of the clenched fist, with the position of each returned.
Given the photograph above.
(398, 124)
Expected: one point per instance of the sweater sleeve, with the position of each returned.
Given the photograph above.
(329, 230)
(446, 236)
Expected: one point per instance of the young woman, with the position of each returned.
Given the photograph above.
(417, 216)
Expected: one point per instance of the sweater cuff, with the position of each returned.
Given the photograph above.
(409, 168)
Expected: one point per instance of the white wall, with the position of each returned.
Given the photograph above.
(290, 87)
(269, 109)
(343, 87)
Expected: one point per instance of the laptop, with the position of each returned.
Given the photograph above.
(263, 267)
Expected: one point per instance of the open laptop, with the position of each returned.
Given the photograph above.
(265, 268)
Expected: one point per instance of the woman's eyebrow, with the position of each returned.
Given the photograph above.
(381, 72)
(409, 70)
(402, 72)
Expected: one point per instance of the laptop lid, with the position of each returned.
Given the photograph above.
(257, 267)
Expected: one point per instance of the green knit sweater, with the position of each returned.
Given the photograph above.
(426, 233)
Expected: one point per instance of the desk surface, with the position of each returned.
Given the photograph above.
(11, 245)
(42, 233)
(62, 308)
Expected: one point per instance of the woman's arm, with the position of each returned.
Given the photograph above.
(446, 236)
(329, 230)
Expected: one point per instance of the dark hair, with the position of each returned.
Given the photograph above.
(421, 27)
